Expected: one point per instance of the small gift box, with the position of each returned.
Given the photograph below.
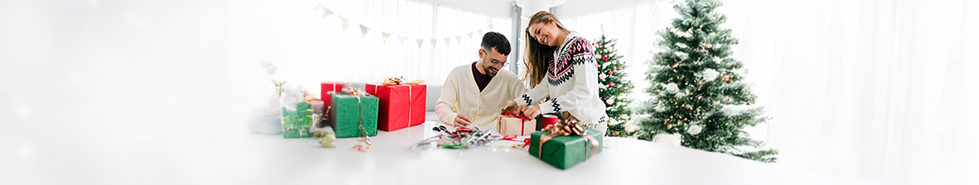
(511, 124)
(353, 115)
(296, 123)
(402, 105)
(565, 146)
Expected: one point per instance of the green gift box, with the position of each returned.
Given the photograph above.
(565, 151)
(296, 123)
(348, 112)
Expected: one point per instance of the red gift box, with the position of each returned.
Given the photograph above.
(326, 88)
(401, 106)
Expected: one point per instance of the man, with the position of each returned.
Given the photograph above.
(474, 94)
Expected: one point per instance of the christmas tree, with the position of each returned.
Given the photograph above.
(698, 88)
(613, 87)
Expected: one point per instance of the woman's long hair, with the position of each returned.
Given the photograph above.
(537, 54)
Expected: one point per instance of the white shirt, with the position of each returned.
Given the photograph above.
(460, 90)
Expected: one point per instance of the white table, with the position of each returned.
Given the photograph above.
(208, 156)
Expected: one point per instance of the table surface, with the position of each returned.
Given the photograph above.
(210, 156)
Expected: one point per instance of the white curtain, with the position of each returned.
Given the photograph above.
(879, 89)
(308, 48)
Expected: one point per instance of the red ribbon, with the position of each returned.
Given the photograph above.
(526, 141)
(508, 113)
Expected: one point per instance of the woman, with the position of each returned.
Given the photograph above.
(560, 65)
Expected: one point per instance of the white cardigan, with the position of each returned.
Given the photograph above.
(482, 107)
(572, 81)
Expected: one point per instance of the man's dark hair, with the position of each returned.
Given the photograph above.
(496, 40)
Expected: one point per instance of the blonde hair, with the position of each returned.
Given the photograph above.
(536, 54)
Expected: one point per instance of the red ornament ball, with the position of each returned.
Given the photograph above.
(609, 84)
(609, 72)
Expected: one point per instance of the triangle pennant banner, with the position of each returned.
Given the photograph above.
(364, 30)
(403, 39)
(420, 42)
(447, 40)
(459, 39)
(344, 22)
(433, 42)
(470, 36)
(385, 36)
(327, 12)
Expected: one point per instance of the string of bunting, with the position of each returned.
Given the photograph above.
(324, 12)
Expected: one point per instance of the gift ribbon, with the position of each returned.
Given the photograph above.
(365, 137)
(526, 141)
(572, 128)
(523, 120)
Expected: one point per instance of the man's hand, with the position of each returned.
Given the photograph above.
(511, 107)
(530, 112)
(462, 121)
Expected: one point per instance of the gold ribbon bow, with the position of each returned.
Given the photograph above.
(569, 128)
(400, 81)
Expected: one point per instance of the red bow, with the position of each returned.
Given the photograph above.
(522, 117)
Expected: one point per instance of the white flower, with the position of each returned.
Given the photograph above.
(694, 129)
(610, 101)
(602, 76)
(672, 88)
(710, 75)
(269, 67)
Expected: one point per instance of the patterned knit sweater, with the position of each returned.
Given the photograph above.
(571, 81)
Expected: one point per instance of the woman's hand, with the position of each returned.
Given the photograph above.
(530, 112)
(511, 107)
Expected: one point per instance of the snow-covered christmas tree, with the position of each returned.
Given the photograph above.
(699, 89)
(613, 89)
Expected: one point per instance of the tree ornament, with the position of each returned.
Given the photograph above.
(610, 101)
(609, 72)
(727, 79)
(602, 76)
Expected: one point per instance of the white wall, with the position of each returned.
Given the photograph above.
(90, 90)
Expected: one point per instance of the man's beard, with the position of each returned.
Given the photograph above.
(487, 70)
